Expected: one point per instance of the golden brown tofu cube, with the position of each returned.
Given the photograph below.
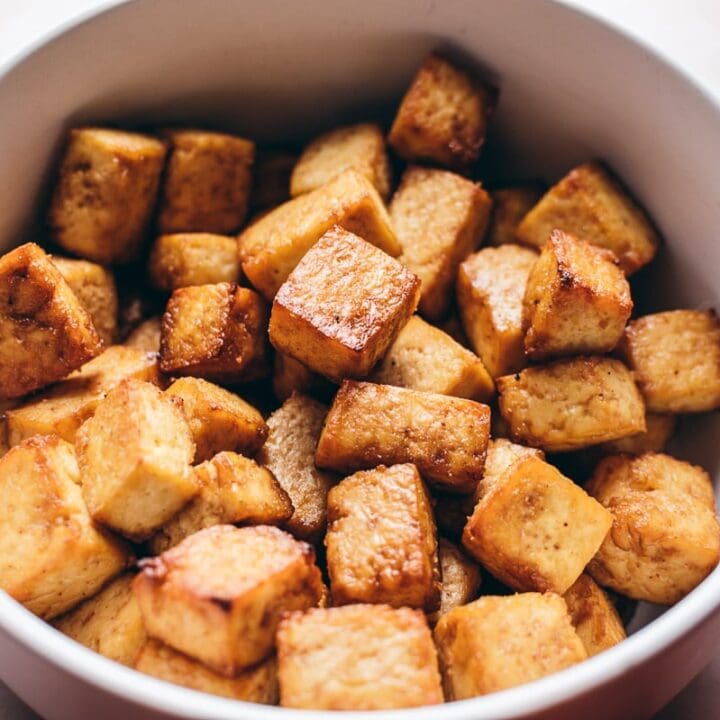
(654, 439)
(357, 657)
(535, 529)
(146, 336)
(497, 643)
(594, 617)
(52, 556)
(590, 203)
(108, 623)
(381, 540)
(45, 332)
(501, 454)
(424, 358)
(439, 219)
(233, 490)
(460, 578)
(214, 331)
(443, 116)
(665, 537)
(289, 453)
(675, 357)
(219, 594)
(577, 300)
(104, 198)
(134, 454)
(271, 182)
(342, 306)
(290, 375)
(272, 246)
(207, 182)
(510, 205)
(572, 403)
(490, 289)
(361, 147)
(370, 424)
(257, 684)
(94, 286)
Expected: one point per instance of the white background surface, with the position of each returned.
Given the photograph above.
(687, 32)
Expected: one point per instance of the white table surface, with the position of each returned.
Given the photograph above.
(685, 31)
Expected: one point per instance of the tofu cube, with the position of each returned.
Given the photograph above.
(572, 403)
(357, 657)
(219, 594)
(271, 181)
(146, 336)
(207, 182)
(461, 578)
(361, 147)
(659, 430)
(103, 201)
(577, 300)
(52, 556)
(370, 424)
(497, 643)
(443, 116)
(490, 290)
(45, 332)
(381, 540)
(535, 529)
(291, 376)
(675, 357)
(342, 306)
(272, 246)
(134, 454)
(439, 219)
(510, 205)
(591, 204)
(501, 454)
(216, 332)
(665, 536)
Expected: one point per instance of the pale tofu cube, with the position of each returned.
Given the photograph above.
(510, 205)
(461, 578)
(659, 431)
(146, 336)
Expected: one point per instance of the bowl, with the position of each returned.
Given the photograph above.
(571, 88)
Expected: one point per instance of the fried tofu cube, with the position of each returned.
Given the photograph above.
(94, 286)
(439, 219)
(675, 357)
(501, 454)
(572, 403)
(219, 594)
(510, 205)
(186, 259)
(216, 332)
(370, 424)
(591, 204)
(272, 246)
(146, 336)
(497, 643)
(665, 537)
(271, 182)
(659, 430)
(45, 332)
(461, 578)
(289, 453)
(134, 454)
(63, 408)
(381, 540)
(357, 657)
(52, 556)
(103, 201)
(443, 116)
(577, 300)
(290, 375)
(257, 684)
(206, 186)
(490, 290)
(108, 623)
(342, 306)
(594, 617)
(424, 358)
(361, 147)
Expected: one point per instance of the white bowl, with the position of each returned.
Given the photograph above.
(571, 88)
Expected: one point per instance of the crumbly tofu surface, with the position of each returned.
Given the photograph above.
(572, 403)
(665, 537)
(461, 578)
(675, 357)
(45, 332)
(342, 306)
(146, 336)
(381, 540)
(52, 556)
(357, 657)
(219, 594)
(510, 205)
(659, 430)
(105, 193)
(290, 375)
(501, 454)
(439, 219)
(370, 424)
(490, 290)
